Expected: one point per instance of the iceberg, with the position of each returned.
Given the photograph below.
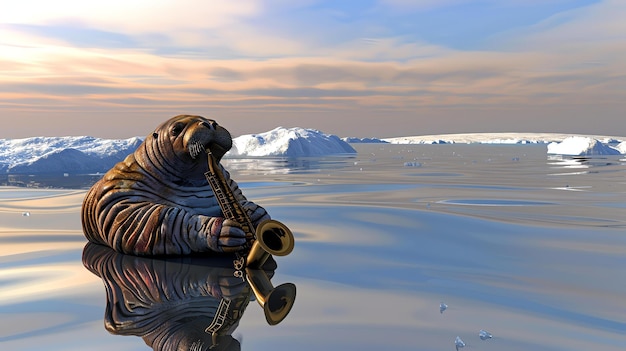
(581, 146)
(289, 142)
(63, 154)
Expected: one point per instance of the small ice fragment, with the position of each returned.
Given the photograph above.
(458, 343)
(412, 164)
(25, 214)
(442, 307)
(484, 335)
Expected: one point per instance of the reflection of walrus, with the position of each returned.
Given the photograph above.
(158, 202)
(169, 302)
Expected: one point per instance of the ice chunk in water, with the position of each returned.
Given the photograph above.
(484, 335)
(442, 307)
(412, 164)
(458, 343)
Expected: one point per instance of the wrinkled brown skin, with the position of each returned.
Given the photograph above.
(158, 202)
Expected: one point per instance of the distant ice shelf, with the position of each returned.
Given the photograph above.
(557, 144)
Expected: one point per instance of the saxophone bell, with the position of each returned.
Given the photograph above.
(272, 238)
(275, 301)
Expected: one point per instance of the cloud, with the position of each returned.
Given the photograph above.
(167, 64)
(420, 4)
(600, 23)
(137, 16)
(425, 5)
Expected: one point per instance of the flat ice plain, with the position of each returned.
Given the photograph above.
(528, 247)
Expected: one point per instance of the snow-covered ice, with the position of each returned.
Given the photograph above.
(355, 140)
(289, 142)
(581, 146)
(493, 138)
(560, 144)
(40, 153)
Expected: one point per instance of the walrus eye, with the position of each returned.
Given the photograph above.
(177, 128)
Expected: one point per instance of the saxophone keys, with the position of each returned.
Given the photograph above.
(239, 263)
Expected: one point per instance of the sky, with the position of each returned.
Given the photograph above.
(361, 68)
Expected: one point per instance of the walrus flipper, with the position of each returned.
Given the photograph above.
(130, 225)
(144, 228)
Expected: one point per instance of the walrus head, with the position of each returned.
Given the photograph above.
(190, 135)
(178, 143)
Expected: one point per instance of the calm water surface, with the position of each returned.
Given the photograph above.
(530, 248)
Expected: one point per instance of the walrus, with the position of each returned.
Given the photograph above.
(157, 201)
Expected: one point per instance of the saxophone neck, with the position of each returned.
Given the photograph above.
(228, 202)
(212, 162)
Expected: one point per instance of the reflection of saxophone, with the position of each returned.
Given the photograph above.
(270, 237)
(275, 301)
(226, 318)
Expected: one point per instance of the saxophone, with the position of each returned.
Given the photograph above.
(270, 237)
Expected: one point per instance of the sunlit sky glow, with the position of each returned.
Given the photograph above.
(380, 68)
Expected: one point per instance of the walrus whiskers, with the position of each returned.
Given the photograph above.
(195, 148)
